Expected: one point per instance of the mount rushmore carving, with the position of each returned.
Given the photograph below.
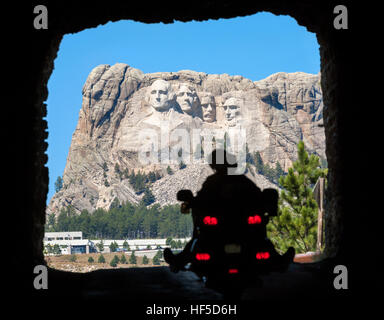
(185, 99)
(120, 103)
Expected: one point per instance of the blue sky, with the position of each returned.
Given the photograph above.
(253, 47)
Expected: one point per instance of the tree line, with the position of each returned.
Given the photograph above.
(123, 260)
(124, 221)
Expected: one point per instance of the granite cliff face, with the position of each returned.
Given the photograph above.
(122, 107)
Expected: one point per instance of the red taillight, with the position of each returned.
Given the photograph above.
(232, 271)
(262, 255)
(211, 221)
(256, 219)
(203, 256)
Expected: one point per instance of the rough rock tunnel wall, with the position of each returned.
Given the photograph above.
(337, 79)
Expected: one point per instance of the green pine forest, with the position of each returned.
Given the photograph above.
(125, 221)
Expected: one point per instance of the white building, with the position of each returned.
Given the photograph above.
(73, 242)
(70, 235)
(69, 242)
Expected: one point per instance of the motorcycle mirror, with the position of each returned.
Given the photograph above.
(270, 200)
(184, 195)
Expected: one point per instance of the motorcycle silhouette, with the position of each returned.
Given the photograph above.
(229, 248)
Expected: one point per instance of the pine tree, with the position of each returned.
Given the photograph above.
(114, 261)
(279, 171)
(182, 165)
(148, 197)
(138, 182)
(259, 163)
(169, 170)
(152, 176)
(115, 203)
(296, 223)
(132, 258)
(168, 241)
(126, 245)
(123, 259)
(101, 259)
(157, 257)
(156, 260)
(118, 171)
(145, 260)
(113, 246)
(100, 246)
(58, 184)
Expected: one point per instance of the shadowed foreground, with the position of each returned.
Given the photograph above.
(301, 281)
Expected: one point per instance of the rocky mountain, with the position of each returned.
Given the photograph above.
(131, 122)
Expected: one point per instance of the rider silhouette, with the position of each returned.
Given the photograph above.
(220, 191)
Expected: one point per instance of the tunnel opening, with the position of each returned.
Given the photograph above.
(107, 219)
(336, 83)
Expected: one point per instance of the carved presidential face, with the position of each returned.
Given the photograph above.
(208, 106)
(231, 111)
(159, 95)
(186, 98)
